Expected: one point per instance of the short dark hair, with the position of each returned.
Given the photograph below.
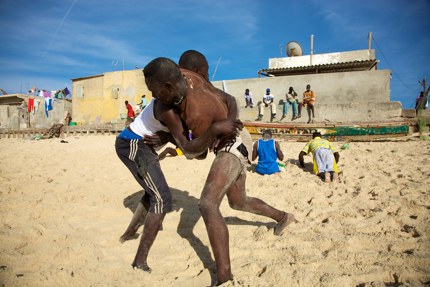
(267, 132)
(192, 60)
(316, 134)
(163, 70)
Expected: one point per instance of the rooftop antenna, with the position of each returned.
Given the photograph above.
(312, 48)
(280, 49)
(114, 63)
(216, 68)
(369, 44)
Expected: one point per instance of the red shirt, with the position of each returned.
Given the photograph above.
(130, 112)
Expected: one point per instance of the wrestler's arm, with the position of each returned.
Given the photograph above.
(336, 157)
(254, 151)
(199, 145)
(301, 158)
(279, 152)
(231, 104)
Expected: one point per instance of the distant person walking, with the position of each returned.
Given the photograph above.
(309, 98)
(130, 112)
(420, 102)
(143, 102)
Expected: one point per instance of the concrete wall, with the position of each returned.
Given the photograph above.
(17, 116)
(100, 99)
(341, 97)
(362, 96)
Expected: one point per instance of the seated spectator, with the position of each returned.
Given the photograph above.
(268, 101)
(248, 99)
(292, 100)
(268, 151)
(324, 157)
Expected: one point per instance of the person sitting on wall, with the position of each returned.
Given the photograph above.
(324, 157)
(268, 101)
(248, 99)
(291, 98)
(268, 151)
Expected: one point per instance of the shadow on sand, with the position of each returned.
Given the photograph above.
(189, 217)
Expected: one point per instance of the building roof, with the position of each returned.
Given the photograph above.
(86, 78)
(359, 65)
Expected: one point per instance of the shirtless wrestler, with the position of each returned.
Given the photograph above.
(200, 105)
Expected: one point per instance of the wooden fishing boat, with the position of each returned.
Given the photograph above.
(333, 132)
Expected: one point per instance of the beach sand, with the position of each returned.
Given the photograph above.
(65, 205)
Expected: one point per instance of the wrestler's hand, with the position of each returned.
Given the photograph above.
(227, 127)
(159, 138)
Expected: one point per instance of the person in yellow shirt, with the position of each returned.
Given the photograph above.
(324, 157)
(309, 98)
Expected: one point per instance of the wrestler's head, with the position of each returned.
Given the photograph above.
(195, 61)
(316, 134)
(164, 79)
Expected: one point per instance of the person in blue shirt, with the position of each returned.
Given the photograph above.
(268, 152)
(144, 103)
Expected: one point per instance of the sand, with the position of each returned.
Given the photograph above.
(64, 206)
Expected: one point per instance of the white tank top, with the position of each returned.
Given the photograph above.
(146, 123)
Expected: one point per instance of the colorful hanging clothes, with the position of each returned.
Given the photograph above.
(48, 106)
(46, 94)
(30, 106)
(66, 92)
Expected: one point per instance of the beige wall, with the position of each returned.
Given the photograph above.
(362, 96)
(341, 97)
(100, 99)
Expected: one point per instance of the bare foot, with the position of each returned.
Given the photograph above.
(143, 267)
(128, 235)
(335, 177)
(326, 177)
(283, 223)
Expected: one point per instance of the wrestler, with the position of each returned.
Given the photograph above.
(194, 61)
(200, 105)
(143, 162)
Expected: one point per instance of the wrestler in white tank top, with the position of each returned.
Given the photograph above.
(146, 123)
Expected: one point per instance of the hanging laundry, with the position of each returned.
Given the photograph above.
(48, 106)
(46, 94)
(67, 93)
(30, 106)
(59, 94)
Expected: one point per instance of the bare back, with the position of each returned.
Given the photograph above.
(202, 105)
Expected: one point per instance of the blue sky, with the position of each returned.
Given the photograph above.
(49, 42)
